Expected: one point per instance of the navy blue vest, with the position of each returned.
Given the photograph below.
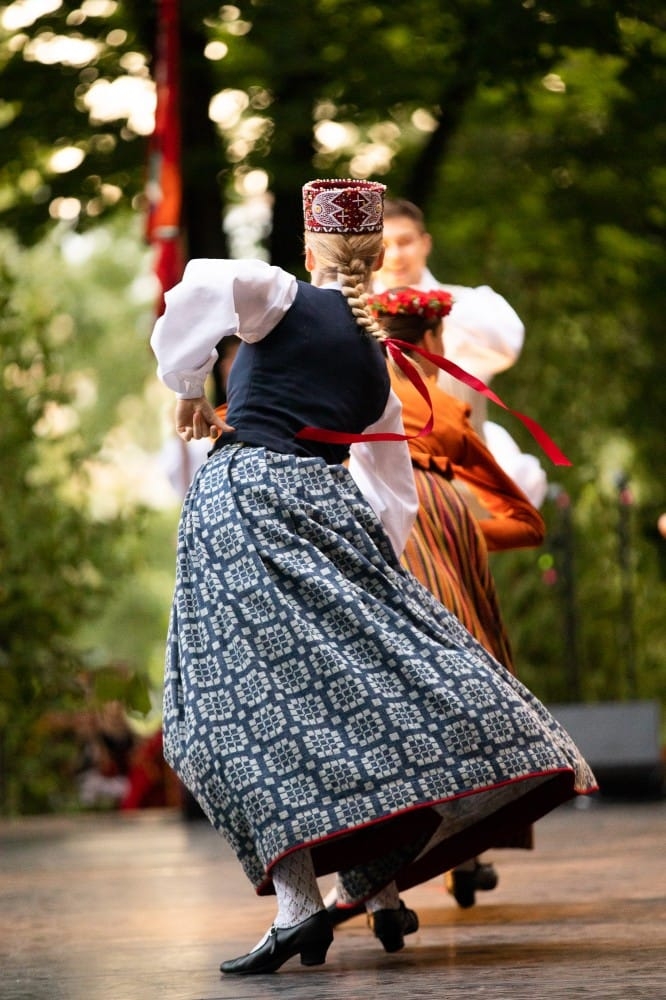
(316, 367)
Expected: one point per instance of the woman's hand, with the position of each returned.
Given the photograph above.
(196, 418)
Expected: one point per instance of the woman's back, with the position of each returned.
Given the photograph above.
(317, 343)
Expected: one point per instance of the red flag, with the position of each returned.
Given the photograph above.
(164, 186)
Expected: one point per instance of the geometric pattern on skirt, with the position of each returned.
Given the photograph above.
(314, 688)
(447, 552)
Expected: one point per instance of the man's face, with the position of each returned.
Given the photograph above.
(406, 251)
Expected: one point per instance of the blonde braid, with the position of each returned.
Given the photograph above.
(354, 279)
(351, 259)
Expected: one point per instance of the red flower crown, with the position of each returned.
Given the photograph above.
(433, 304)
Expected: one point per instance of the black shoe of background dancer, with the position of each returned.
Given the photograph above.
(463, 885)
(390, 926)
(311, 939)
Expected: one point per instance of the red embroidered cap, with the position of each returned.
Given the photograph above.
(343, 206)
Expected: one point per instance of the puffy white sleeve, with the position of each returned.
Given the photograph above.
(482, 333)
(382, 470)
(216, 299)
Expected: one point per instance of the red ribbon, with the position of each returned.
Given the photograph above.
(395, 349)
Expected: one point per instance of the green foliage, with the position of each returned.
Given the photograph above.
(40, 73)
(72, 558)
(557, 201)
(575, 637)
(400, 79)
(531, 134)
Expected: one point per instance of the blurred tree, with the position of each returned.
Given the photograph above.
(80, 155)
(532, 134)
(369, 88)
(77, 508)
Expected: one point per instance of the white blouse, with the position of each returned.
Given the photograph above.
(247, 298)
(484, 335)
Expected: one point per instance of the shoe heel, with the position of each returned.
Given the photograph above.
(315, 946)
(313, 956)
(392, 942)
(390, 926)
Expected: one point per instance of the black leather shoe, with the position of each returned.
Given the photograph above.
(311, 939)
(338, 914)
(390, 926)
(463, 885)
(485, 877)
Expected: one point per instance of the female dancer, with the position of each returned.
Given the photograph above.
(468, 506)
(328, 714)
(447, 550)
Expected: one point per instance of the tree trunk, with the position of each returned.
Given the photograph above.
(422, 183)
(286, 240)
(201, 153)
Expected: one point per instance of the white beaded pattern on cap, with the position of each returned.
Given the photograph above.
(335, 205)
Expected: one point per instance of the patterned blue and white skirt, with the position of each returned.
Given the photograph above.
(316, 695)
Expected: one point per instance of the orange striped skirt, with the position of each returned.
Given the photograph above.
(447, 553)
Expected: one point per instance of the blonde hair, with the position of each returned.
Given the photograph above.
(349, 259)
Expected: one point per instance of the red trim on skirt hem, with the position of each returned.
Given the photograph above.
(328, 853)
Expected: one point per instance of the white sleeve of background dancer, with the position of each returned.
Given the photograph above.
(216, 299)
(382, 470)
(482, 333)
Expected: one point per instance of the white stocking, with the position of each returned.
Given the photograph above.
(386, 899)
(331, 896)
(296, 888)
